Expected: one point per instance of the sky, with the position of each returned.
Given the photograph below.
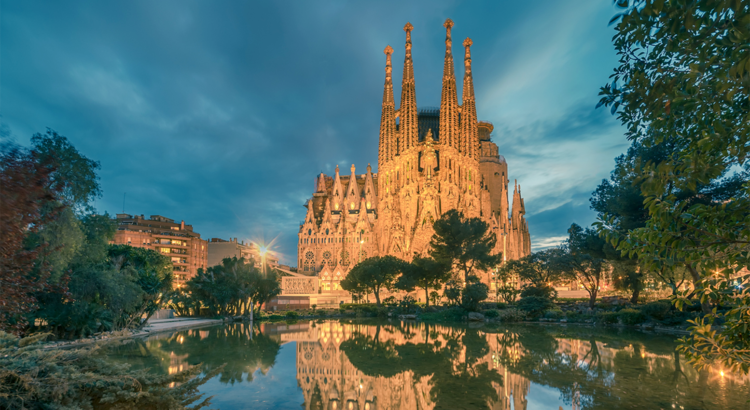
(222, 113)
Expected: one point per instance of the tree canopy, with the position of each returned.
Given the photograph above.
(374, 274)
(682, 79)
(464, 244)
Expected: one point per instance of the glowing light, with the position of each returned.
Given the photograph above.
(721, 373)
(263, 250)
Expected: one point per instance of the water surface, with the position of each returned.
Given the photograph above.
(378, 365)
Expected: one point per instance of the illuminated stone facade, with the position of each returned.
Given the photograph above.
(429, 161)
(178, 241)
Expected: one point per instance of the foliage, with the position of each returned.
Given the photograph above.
(512, 315)
(541, 290)
(508, 293)
(73, 176)
(608, 318)
(538, 268)
(425, 273)
(27, 206)
(32, 377)
(473, 294)
(657, 310)
(374, 274)
(464, 244)
(682, 78)
(111, 286)
(584, 259)
(491, 313)
(233, 287)
(452, 292)
(631, 317)
(291, 314)
(534, 306)
(554, 314)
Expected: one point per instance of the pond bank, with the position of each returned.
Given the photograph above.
(151, 327)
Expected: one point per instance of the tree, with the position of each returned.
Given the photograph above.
(683, 75)
(539, 270)
(463, 244)
(233, 287)
(374, 274)
(425, 273)
(473, 294)
(24, 182)
(584, 259)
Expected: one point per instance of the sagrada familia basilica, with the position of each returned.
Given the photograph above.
(429, 161)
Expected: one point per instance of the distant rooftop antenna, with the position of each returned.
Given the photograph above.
(123, 201)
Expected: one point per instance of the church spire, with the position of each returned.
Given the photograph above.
(408, 110)
(469, 136)
(388, 116)
(448, 131)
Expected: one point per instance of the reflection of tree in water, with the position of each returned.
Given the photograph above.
(456, 379)
(594, 370)
(239, 348)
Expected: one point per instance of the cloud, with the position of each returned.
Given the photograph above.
(222, 114)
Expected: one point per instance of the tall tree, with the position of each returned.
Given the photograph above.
(24, 183)
(464, 244)
(425, 273)
(374, 274)
(683, 75)
(585, 259)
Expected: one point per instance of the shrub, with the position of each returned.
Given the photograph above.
(34, 377)
(502, 305)
(608, 318)
(291, 314)
(554, 314)
(492, 313)
(542, 291)
(473, 294)
(342, 311)
(657, 310)
(511, 315)
(631, 317)
(534, 306)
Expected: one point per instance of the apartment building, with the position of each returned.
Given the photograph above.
(177, 240)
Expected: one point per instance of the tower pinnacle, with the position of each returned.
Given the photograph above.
(388, 116)
(448, 130)
(469, 132)
(408, 126)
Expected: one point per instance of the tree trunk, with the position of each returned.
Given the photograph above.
(426, 297)
(636, 293)
(592, 296)
(377, 296)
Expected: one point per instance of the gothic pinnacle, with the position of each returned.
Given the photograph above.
(469, 134)
(448, 131)
(408, 110)
(388, 116)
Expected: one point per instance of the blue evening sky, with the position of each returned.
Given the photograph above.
(222, 113)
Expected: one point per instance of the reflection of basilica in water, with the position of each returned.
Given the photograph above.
(330, 381)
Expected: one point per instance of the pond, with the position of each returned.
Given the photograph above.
(378, 365)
